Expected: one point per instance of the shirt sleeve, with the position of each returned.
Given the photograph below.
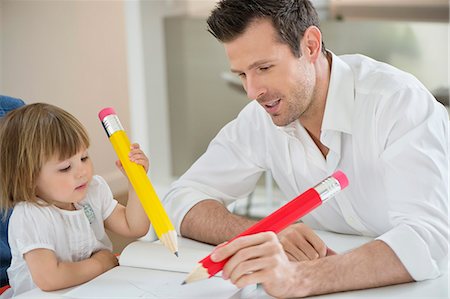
(227, 171)
(32, 229)
(103, 197)
(414, 135)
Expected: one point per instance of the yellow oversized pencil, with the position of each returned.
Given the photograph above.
(139, 180)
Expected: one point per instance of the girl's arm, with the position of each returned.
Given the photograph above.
(50, 275)
(130, 221)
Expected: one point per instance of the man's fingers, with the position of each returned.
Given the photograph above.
(330, 251)
(295, 253)
(317, 244)
(290, 257)
(302, 243)
(250, 266)
(223, 252)
(247, 248)
(257, 277)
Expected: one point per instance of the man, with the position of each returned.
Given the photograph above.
(311, 113)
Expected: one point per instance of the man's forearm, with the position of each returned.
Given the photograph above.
(209, 221)
(371, 265)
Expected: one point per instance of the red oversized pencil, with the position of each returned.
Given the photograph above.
(279, 220)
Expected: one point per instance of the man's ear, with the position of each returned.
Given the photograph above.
(311, 43)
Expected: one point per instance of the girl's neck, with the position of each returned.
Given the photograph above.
(65, 206)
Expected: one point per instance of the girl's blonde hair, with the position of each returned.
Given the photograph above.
(29, 137)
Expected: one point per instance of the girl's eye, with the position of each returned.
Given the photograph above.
(84, 158)
(65, 169)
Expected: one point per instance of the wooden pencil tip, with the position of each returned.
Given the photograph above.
(198, 273)
(169, 240)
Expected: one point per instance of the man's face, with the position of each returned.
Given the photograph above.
(281, 83)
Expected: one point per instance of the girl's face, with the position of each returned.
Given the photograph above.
(63, 183)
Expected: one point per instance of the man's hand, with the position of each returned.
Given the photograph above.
(257, 258)
(301, 243)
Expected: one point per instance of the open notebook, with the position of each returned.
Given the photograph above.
(149, 270)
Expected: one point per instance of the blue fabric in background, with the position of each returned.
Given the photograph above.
(6, 104)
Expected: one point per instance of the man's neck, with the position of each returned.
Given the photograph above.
(312, 121)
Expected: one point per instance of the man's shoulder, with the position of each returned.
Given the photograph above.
(252, 108)
(252, 125)
(370, 74)
(254, 113)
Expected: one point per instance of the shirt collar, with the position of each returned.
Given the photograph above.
(289, 128)
(338, 113)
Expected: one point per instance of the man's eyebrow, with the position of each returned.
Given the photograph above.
(253, 65)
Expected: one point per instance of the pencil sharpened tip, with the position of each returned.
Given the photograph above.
(183, 283)
(176, 253)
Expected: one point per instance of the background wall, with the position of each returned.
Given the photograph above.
(420, 48)
(201, 101)
(156, 61)
(71, 54)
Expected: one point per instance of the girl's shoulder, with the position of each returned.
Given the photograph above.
(30, 212)
(98, 189)
(98, 185)
(97, 181)
(26, 206)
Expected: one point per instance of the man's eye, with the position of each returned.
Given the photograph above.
(264, 68)
(241, 75)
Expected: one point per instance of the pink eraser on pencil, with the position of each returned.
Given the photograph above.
(341, 178)
(105, 112)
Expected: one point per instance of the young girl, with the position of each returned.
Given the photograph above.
(57, 229)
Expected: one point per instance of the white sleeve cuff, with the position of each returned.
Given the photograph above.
(412, 251)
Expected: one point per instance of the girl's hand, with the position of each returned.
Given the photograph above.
(137, 156)
(51, 274)
(106, 259)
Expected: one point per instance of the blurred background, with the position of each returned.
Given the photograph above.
(168, 78)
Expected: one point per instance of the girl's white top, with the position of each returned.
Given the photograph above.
(72, 235)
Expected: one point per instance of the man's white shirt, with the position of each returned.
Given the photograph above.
(384, 130)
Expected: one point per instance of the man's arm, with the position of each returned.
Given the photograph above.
(209, 221)
(260, 259)
(371, 265)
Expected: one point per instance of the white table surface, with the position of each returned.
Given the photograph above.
(436, 288)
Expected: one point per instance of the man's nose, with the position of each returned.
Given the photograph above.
(254, 88)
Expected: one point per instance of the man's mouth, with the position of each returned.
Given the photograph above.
(272, 106)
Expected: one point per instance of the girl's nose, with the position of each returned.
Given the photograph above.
(82, 170)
